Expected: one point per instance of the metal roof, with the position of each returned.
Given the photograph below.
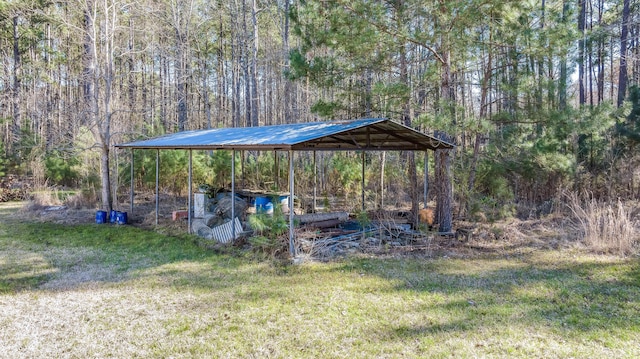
(372, 134)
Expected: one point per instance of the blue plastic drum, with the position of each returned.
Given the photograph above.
(261, 203)
(121, 217)
(101, 217)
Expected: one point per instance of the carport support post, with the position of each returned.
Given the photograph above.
(292, 249)
(276, 169)
(131, 184)
(115, 185)
(315, 183)
(426, 177)
(363, 181)
(233, 194)
(190, 190)
(157, 184)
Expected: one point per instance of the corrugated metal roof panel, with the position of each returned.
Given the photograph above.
(364, 134)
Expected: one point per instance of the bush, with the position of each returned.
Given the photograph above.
(270, 232)
(59, 169)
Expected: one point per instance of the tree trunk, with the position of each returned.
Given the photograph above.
(411, 161)
(445, 189)
(623, 75)
(562, 86)
(245, 67)
(181, 83)
(581, 50)
(95, 32)
(443, 157)
(484, 92)
(383, 161)
(16, 125)
(254, 67)
(288, 88)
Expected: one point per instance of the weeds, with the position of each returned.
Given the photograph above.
(604, 227)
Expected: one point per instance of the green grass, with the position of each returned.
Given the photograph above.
(118, 291)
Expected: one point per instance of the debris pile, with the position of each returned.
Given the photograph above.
(216, 224)
(352, 237)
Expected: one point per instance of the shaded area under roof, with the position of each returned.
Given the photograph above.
(373, 134)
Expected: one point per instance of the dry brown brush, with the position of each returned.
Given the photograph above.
(603, 227)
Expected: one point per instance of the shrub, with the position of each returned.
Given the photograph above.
(60, 169)
(270, 232)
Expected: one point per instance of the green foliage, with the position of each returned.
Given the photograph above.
(347, 170)
(88, 157)
(269, 230)
(629, 129)
(219, 163)
(326, 109)
(60, 168)
(363, 219)
(174, 168)
(343, 50)
(259, 169)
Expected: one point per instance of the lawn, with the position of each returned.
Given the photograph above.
(79, 291)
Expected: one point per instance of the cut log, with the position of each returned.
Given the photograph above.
(323, 224)
(321, 217)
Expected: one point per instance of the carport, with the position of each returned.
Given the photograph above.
(372, 134)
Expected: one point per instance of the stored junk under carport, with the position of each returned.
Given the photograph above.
(357, 135)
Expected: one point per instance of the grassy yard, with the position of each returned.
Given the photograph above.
(106, 291)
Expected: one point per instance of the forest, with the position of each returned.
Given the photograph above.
(541, 97)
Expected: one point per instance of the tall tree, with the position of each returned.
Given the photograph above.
(623, 73)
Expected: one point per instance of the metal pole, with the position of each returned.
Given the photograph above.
(242, 169)
(426, 177)
(115, 175)
(363, 181)
(276, 170)
(157, 184)
(233, 194)
(315, 183)
(292, 249)
(132, 179)
(190, 190)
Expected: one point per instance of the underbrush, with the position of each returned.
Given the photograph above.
(604, 227)
(72, 199)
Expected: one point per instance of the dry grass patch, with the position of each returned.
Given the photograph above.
(605, 227)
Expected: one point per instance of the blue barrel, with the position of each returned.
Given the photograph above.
(268, 208)
(261, 203)
(121, 217)
(101, 217)
(112, 216)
